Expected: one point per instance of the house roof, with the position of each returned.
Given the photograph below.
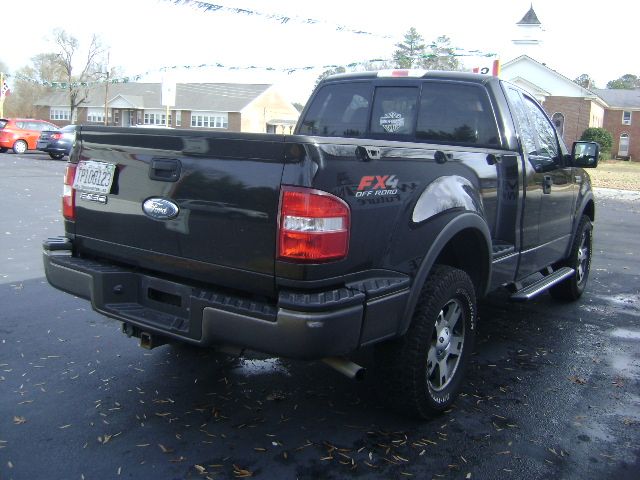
(220, 97)
(530, 18)
(570, 84)
(136, 101)
(619, 98)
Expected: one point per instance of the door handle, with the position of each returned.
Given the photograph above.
(165, 169)
(547, 181)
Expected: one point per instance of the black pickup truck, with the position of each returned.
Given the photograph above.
(402, 197)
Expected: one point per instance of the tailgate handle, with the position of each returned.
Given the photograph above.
(165, 170)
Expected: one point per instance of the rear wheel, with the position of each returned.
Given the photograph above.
(56, 156)
(421, 373)
(20, 146)
(580, 260)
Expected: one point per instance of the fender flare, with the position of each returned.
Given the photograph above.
(580, 211)
(464, 221)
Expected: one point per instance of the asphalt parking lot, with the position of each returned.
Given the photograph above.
(553, 389)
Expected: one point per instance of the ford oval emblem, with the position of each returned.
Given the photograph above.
(160, 209)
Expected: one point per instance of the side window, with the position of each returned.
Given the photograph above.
(338, 110)
(546, 133)
(526, 130)
(454, 112)
(394, 110)
(558, 122)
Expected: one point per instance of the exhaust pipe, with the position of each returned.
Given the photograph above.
(346, 367)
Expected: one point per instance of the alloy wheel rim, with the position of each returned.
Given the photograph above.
(583, 258)
(445, 349)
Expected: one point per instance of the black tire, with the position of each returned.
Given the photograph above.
(56, 156)
(411, 369)
(20, 146)
(579, 259)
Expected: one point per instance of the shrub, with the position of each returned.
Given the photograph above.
(601, 136)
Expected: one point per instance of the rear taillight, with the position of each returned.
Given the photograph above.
(56, 136)
(68, 193)
(313, 226)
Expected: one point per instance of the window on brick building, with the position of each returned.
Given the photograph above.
(626, 118)
(60, 113)
(210, 120)
(558, 122)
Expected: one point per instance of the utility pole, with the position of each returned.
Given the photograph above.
(106, 95)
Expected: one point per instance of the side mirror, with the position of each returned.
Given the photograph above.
(585, 154)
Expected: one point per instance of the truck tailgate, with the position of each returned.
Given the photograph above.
(225, 186)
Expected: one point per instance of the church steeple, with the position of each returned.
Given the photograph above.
(528, 31)
(530, 18)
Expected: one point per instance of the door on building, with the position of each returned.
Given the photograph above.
(623, 145)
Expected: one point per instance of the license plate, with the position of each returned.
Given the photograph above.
(94, 177)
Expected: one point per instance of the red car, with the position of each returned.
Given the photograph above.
(21, 134)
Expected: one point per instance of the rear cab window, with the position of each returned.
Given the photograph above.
(430, 111)
(339, 110)
(3, 123)
(394, 111)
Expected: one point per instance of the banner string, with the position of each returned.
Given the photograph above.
(288, 70)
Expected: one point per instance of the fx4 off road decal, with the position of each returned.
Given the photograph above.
(377, 185)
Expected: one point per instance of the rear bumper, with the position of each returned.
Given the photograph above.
(297, 325)
(52, 148)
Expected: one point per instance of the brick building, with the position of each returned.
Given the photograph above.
(622, 121)
(232, 107)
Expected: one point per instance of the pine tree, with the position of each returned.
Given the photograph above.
(410, 52)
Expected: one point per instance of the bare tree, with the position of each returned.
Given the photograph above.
(77, 85)
(28, 85)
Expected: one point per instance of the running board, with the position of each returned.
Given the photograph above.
(542, 285)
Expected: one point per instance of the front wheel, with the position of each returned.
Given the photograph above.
(580, 260)
(56, 156)
(421, 373)
(20, 146)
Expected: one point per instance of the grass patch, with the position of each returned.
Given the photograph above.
(616, 174)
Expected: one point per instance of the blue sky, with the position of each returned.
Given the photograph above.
(581, 36)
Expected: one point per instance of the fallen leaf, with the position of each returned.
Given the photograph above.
(578, 380)
(165, 449)
(19, 420)
(241, 472)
